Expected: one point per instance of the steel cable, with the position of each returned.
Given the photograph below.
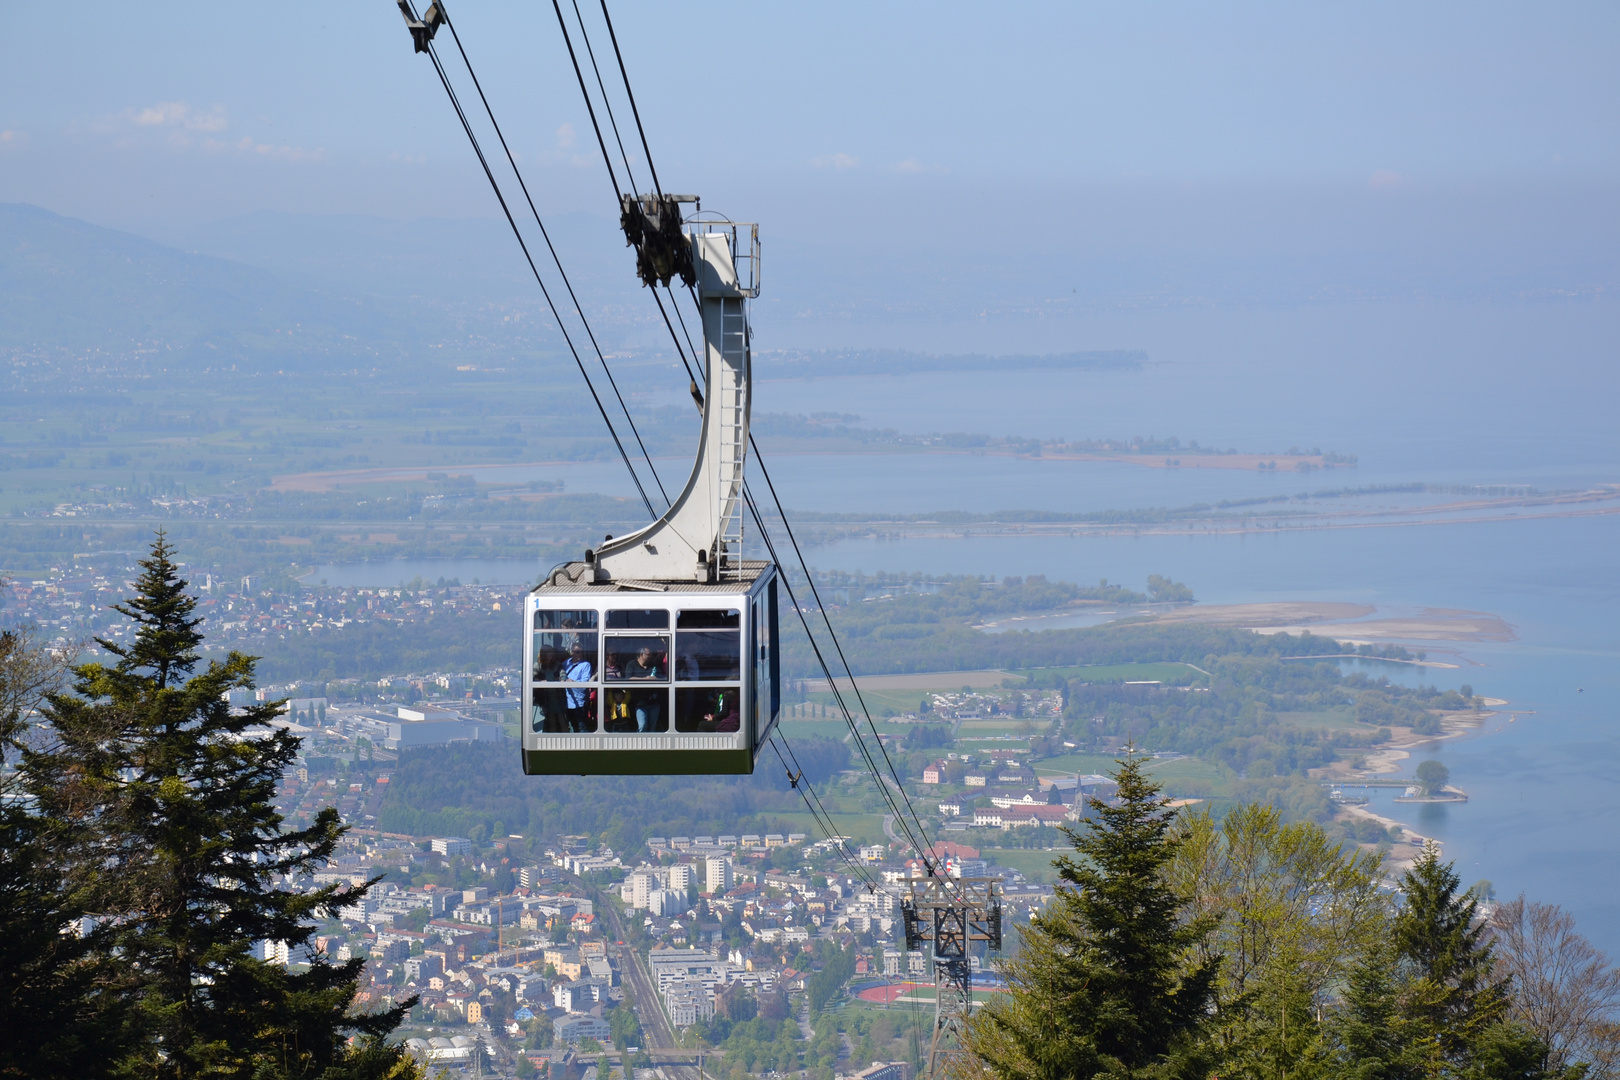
(500, 197)
(546, 235)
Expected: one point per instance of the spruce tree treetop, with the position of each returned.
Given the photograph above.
(1107, 981)
(166, 634)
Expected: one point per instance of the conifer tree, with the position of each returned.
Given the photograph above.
(1107, 982)
(1452, 1004)
(1438, 930)
(1370, 1038)
(170, 796)
(51, 981)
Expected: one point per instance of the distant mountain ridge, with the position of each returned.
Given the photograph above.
(312, 294)
(70, 286)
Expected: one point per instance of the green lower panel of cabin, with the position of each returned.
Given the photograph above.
(637, 762)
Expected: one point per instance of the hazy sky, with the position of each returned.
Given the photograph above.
(130, 115)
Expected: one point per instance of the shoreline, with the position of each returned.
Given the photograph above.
(1382, 761)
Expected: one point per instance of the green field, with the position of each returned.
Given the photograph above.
(1000, 726)
(1033, 863)
(1338, 718)
(839, 729)
(862, 828)
(880, 702)
(989, 746)
(1068, 764)
(813, 729)
(1162, 671)
(1192, 776)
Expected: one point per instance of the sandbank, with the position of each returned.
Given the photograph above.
(1334, 620)
(1292, 613)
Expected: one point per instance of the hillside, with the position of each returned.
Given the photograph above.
(67, 286)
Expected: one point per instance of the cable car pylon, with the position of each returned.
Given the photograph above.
(951, 914)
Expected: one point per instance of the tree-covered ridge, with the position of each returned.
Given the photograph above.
(1248, 714)
(934, 631)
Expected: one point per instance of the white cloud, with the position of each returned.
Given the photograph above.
(12, 140)
(1386, 178)
(913, 166)
(565, 137)
(265, 150)
(179, 115)
(835, 161)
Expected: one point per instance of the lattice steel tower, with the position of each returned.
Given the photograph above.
(952, 913)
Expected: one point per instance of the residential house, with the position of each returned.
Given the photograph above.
(689, 1002)
(1008, 798)
(1020, 816)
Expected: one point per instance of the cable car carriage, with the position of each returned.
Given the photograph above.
(657, 653)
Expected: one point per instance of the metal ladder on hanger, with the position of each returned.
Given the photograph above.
(733, 437)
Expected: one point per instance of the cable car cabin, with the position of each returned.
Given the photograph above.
(658, 652)
(650, 677)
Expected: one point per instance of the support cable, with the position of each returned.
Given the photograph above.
(546, 235)
(495, 186)
(857, 870)
(682, 319)
(589, 108)
(823, 819)
(922, 852)
(678, 350)
(631, 94)
(607, 104)
(833, 634)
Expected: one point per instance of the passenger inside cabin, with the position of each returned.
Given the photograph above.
(704, 708)
(578, 670)
(725, 717)
(644, 666)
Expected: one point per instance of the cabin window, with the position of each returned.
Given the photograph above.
(636, 711)
(774, 646)
(757, 653)
(708, 646)
(565, 646)
(638, 620)
(555, 711)
(567, 651)
(636, 658)
(708, 708)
